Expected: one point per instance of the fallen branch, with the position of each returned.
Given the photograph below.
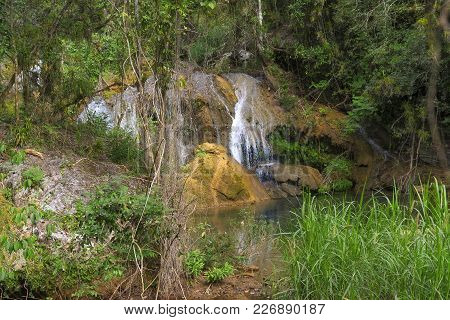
(35, 153)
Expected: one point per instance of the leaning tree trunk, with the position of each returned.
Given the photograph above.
(435, 51)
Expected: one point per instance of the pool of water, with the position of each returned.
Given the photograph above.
(259, 248)
(279, 214)
(278, 211)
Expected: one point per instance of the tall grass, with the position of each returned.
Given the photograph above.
(372, 249)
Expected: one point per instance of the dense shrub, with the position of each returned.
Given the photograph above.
(18, 157)
(103, 233)
(117, 215)
(210, 45)
(194, 263)
(218, 274)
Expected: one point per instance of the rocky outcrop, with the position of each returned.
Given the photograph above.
(293, 179)
(67, 179)
(215, 179)
(302, 176)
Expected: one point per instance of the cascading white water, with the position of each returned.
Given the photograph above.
(375, 146)
(248, 143)
(254, 116)
(237, 136)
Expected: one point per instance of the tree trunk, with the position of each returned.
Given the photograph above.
(435, 48)
(444, 19)
(16, 92)
(171, 276)
(8, 87)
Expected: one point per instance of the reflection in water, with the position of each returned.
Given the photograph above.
(277, 211)
(255, 241)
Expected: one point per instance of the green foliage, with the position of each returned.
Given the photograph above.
(378, 248)
(111, 225)
(215, 246)
(114, 213)
(218, 274)
(3, 148)
(96, 139)
(288, 101)
(284, 87)
(7, 193)
(295, 152)
(123, 147)
(194, 263)
(48, 270)
(200, 153)
(32, 177)
(338, 166)
(22, 132)
(18, 157)
(369, 60)
(217, 252)
(211, 4)
(362, 109)
(207, 48)
(341, 185)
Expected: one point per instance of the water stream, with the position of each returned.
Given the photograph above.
(252, 122)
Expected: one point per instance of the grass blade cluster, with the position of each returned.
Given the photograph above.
(380, 248)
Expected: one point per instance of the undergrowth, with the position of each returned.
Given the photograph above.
(92, 138)
(216, 254)
(104, 238)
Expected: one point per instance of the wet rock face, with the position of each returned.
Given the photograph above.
(207, 110)
(215, 179)
(203, 109)
(239, 113)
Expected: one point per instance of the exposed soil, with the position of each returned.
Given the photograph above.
(246, 284)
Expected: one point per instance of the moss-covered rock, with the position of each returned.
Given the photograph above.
(215, 179)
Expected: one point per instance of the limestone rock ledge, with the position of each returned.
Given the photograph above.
(214, 179)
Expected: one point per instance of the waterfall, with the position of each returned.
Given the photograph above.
(374, 145)
(206, 115)
(238, 135)
(248, 137)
